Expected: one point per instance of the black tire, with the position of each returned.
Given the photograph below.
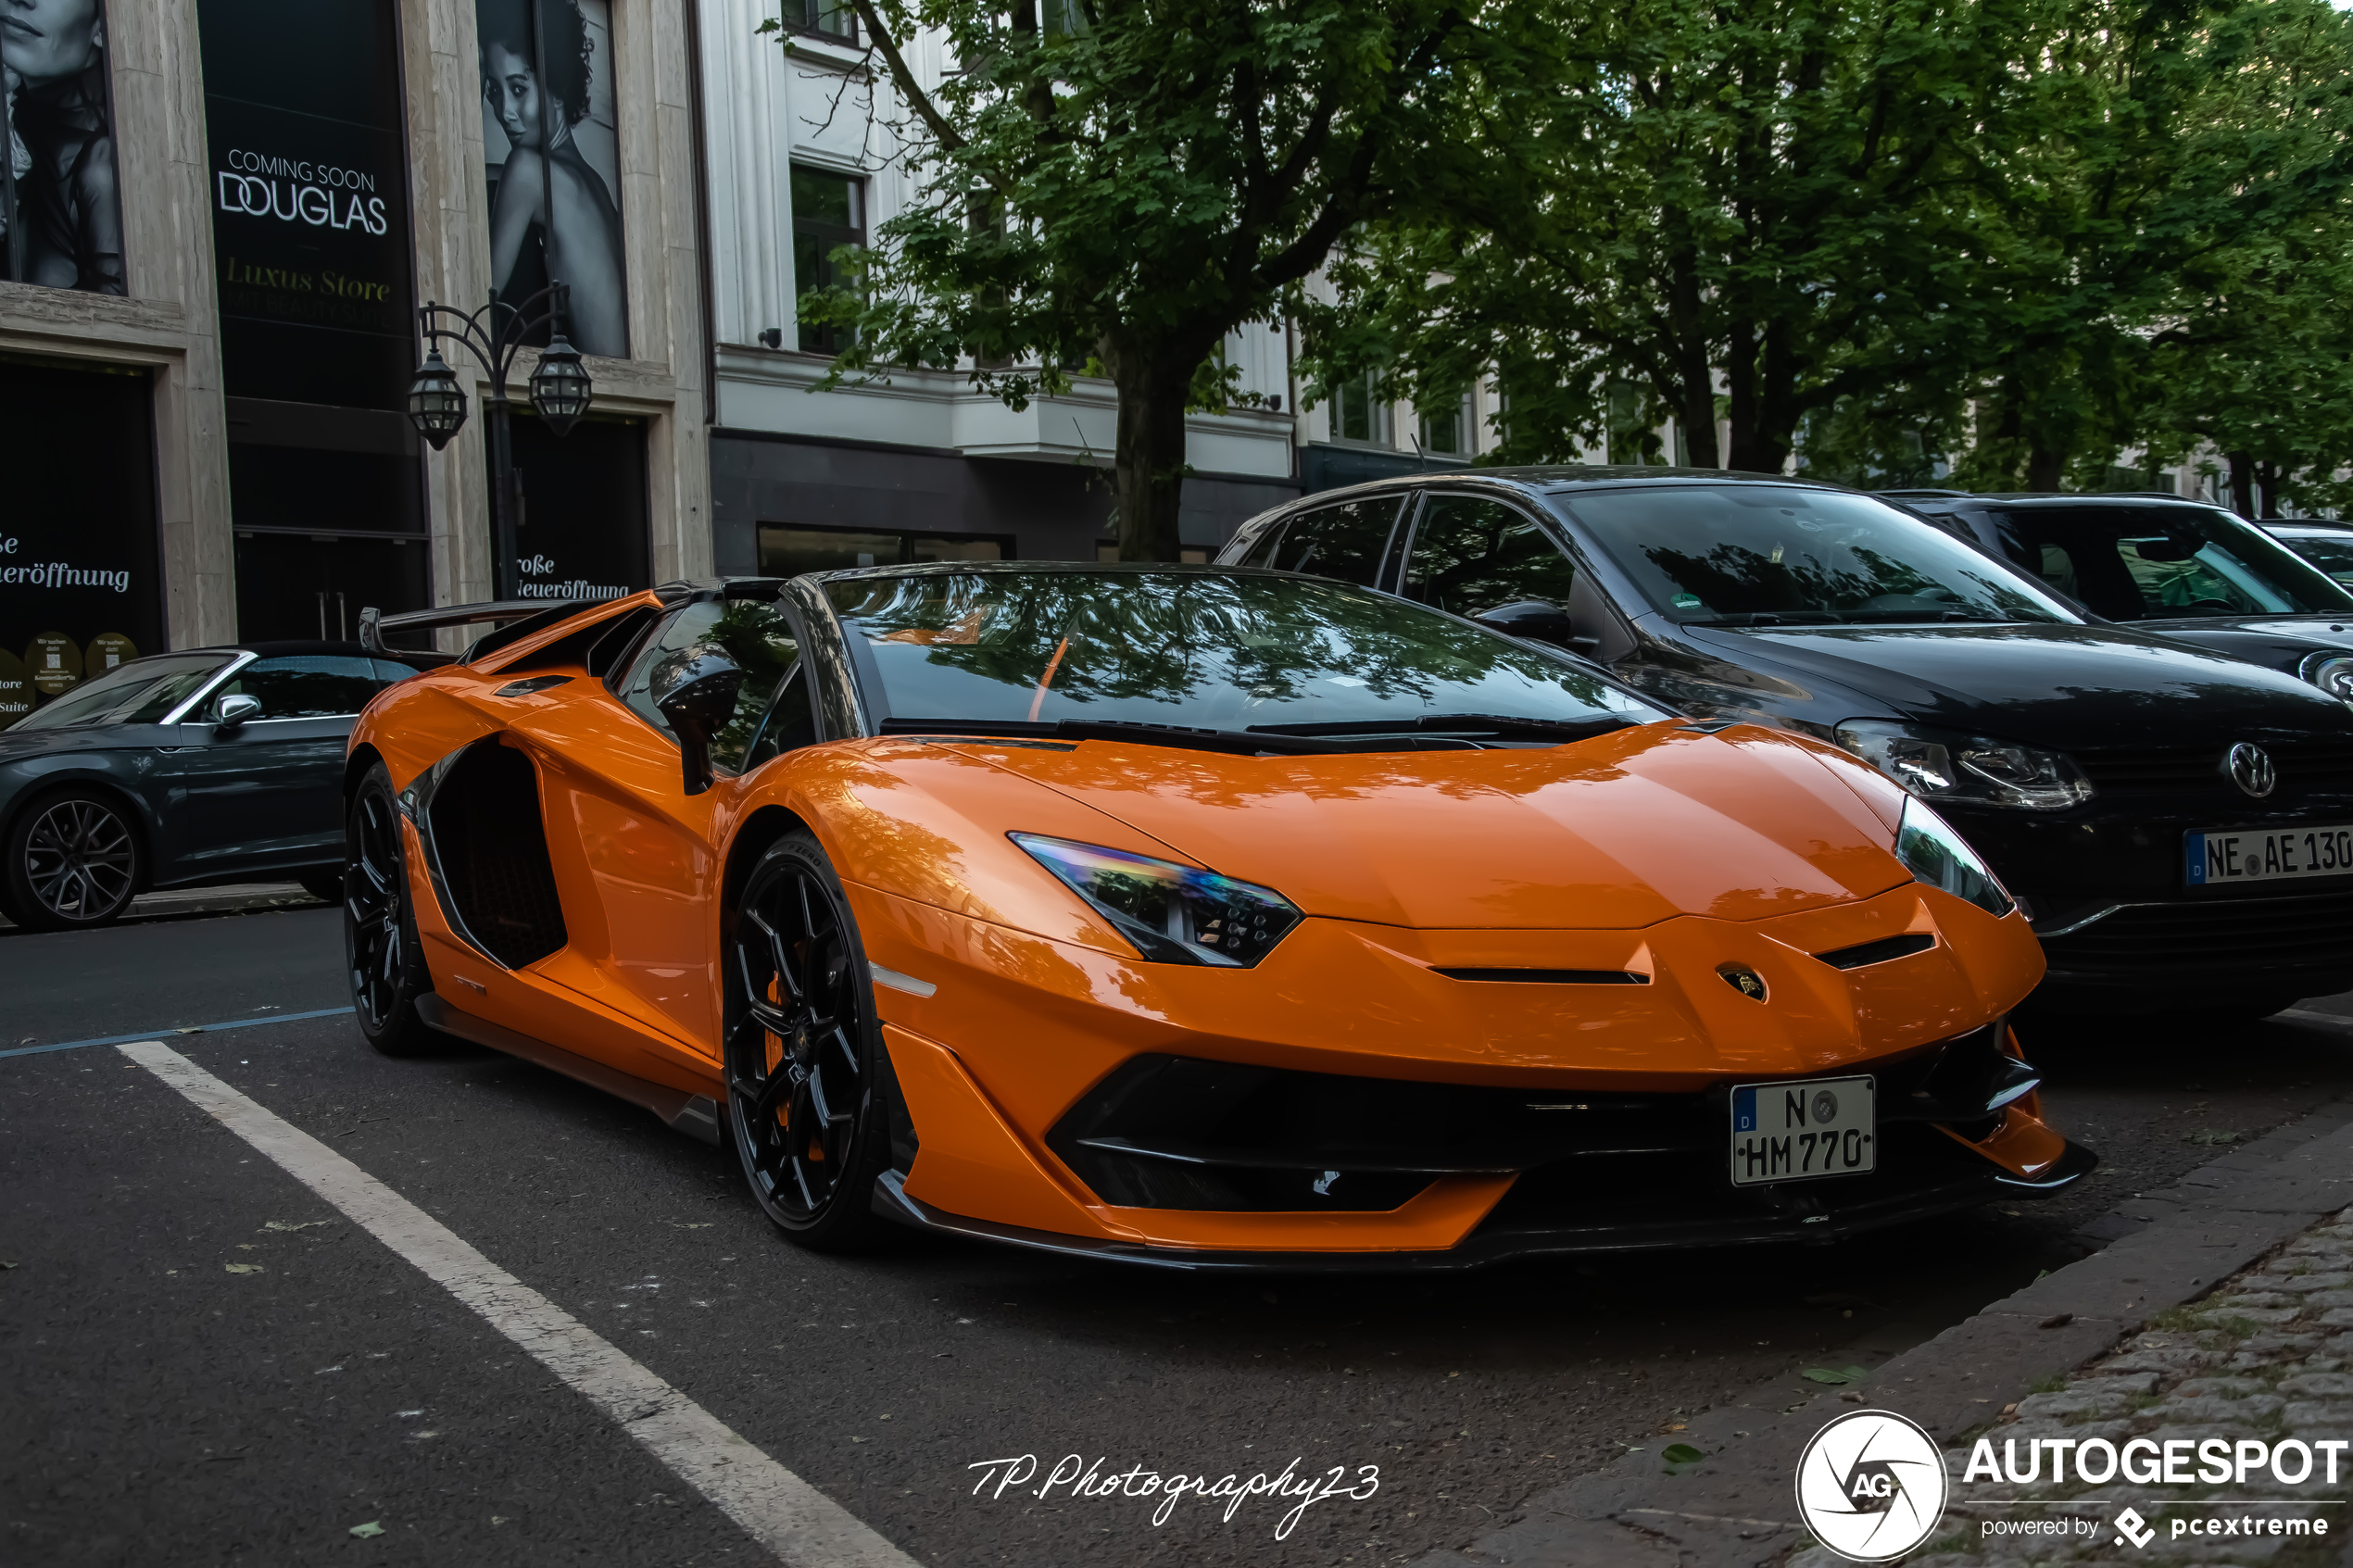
(325, 887)
(380, 955)
(808, 1105)
(75, 860)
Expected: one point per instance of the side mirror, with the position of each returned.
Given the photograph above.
(228, 713)
(694, 689)
(1538, 619)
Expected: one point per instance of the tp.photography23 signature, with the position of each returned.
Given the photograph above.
(1080, 1479)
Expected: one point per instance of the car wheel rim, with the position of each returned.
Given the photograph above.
(371, 910)
(794, 1069)
(78, 860)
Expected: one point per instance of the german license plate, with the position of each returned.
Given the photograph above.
(1790, 1132)
(2211, 859)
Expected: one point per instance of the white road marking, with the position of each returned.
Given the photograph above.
(801, 1525)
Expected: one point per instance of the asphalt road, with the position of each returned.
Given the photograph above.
(164, 1408)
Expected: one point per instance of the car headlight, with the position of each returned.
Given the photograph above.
(1173, 913)
(2332, 673)
(1943, 765)
(1934, 853)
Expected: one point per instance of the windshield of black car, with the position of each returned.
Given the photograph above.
(1762, 555)
(141, 691)
(2164, 563)
(1203, 650)
(2332, 553)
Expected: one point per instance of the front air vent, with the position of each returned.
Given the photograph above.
(1883, 951)
(490, 854)
(1550, 977)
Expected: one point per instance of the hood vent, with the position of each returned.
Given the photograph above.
(1551, 976)
(1881, 951)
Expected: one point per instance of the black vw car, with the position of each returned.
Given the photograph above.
(213, 765)
(2186, 570)
(2178, 824)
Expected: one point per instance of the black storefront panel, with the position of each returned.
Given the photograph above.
(81, 586)
(582, 534)
(309, 195)
(314, 586)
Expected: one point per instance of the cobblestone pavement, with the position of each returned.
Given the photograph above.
(2264, 1363)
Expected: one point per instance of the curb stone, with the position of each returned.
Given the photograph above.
(234, 898)
(1735, 1509)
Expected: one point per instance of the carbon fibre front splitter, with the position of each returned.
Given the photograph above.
(1491, 1244)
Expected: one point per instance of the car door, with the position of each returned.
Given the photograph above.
(1470, 554)
(617, 794)
(266, 794)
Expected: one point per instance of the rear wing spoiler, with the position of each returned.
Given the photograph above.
(506, 614)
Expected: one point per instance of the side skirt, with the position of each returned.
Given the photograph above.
(695, 1115)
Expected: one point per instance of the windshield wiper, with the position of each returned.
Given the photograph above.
(1921, 618)
(1769, 617)
(1464, 724)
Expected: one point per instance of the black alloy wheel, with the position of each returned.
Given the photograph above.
(380, 948)
(805, 1099)
(74, 862)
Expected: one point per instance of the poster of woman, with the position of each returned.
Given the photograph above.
(58, 205)
(554, 160)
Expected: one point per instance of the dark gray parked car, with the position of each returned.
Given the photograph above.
(213, 765)
(2178, 824)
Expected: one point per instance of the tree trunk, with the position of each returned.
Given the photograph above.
(2044, 467)
(2241, 484)
(1148, 466)
(1763, 432)
(1697, 416)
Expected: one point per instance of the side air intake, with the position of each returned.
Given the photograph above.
(489, 848)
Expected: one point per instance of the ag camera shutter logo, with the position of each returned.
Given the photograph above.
(1871, 1486)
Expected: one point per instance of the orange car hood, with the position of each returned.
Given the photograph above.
(1619, 831)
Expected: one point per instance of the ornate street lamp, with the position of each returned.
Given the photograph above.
(559, 389)
(437, 403)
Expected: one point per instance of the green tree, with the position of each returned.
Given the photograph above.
(1129, 182)
(1995, 230)
(1769, 194)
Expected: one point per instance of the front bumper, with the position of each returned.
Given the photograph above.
(1551, 1222)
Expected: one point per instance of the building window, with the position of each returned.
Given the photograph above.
(1443, 428)
(828, 211)
(786, 551)
(1358, 412)
(826, 19)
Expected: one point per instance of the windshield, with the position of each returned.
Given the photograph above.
(1205, 650)
(141, 691)
(2164, 563)
(1760, 555)
(2332, 553)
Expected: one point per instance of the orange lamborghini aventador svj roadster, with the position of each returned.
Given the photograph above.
(1187, 915)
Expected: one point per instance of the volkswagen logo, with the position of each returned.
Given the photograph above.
(2251, 769)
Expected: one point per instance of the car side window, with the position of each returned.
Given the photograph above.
(1346, 541)
(310, 685)
(791, 724)
(755, 636)
(1263, 552)
(1471, 554)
